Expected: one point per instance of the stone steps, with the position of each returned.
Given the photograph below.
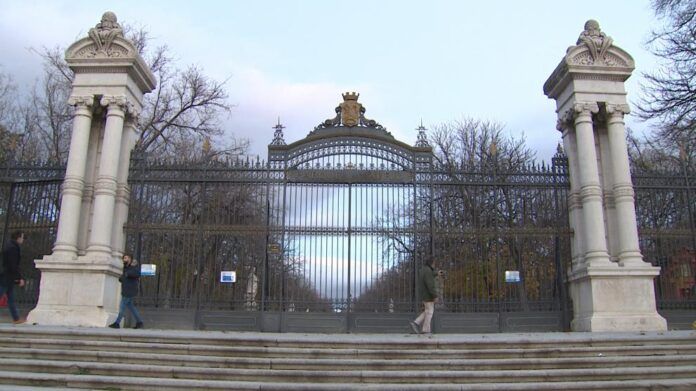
(36, 356)
(346, 375)
(53, 381)
(347, 353)
(461, 364)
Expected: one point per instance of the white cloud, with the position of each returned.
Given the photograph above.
(260, 100)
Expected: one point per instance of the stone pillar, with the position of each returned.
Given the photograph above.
(594, 236)
(79, 281)
(588, 87)
(626, 225)
(105, 187)
(88, 193)
(574, 203)
(73, 185)
(123, 190)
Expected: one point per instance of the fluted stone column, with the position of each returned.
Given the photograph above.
(594, 235)
(88, 193)
(607, 186)
(73, 185)
(626, 224)
(574, 202)
(123, 190)
(106, 184)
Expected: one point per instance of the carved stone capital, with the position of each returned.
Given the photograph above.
(565, 120)
(114, 100)
(120, 102)
(618, 110)
(81, 101)
(588, 108)
(561, 125)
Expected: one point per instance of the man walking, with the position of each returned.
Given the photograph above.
(129, 289)
(428, 294)
(11, 276)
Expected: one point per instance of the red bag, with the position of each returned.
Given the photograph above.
(3, 301)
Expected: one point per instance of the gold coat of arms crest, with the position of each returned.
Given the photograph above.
(350, 109)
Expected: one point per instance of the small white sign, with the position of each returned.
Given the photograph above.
(512, 276)
(148, 269)
(228, 277)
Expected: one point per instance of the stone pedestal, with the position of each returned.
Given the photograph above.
(615, 299)
(77, 293)
(610, 284)
(79, 280)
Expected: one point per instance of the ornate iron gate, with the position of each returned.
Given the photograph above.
(328, 236)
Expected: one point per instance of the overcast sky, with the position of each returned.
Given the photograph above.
(435, 60)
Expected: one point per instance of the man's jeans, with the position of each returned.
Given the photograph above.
(10, 300)
(127, 302)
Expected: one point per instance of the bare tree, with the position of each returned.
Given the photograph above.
(670, 92)
(7, 107)
(185, 109)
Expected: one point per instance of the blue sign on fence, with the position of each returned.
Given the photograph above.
(228, 277)
(148, 269)
(512, 276)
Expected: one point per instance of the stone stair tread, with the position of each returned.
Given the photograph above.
(322, 340)
(357, 376)
(341, 363)
(139, 383)
(659, 349)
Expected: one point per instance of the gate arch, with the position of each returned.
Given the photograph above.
(348, 192)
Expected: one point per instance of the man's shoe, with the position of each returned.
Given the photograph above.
(139, 325)
(19, 321)
(115, 325)
(414, 326)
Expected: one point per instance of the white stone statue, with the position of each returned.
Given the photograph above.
(104, 33)
(595, 40)
(251, 290)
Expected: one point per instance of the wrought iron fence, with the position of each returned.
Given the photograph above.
(353, 244)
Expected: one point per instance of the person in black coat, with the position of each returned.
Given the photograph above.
(11, 275)
(129, 289)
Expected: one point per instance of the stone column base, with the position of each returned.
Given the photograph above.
(615, 298)
(83, 292)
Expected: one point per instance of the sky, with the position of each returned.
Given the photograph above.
(435, 61)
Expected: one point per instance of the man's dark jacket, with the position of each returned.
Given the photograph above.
(426, 280)
(11, 255)
(129, 280)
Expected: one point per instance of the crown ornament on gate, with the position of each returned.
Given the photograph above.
(350, 96)
(350, 113)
